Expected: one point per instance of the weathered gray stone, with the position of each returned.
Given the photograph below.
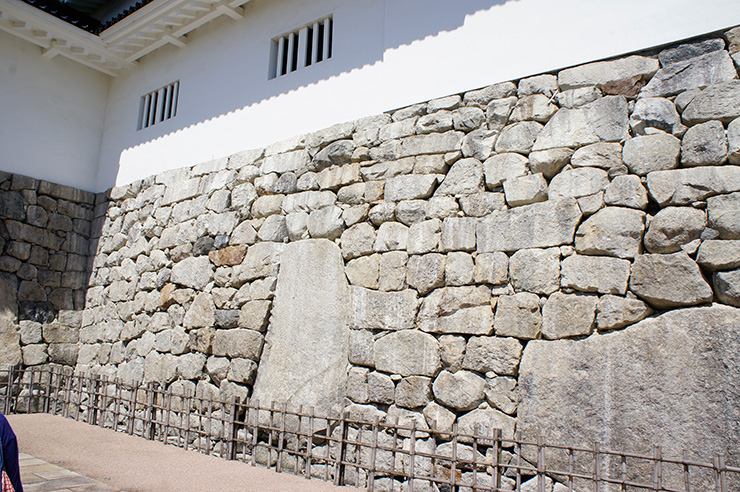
(464, 177)
(262, 260)
(602, 120)
(408, 353)
(478, 144)
(410, 187)
(438, 122)
(336, 153)
(433, 143)
(716, 102)
(694, 72)
(242, 371)
(568, 315)
(601, 73)
(307, 201)
(496, 354)
(540, 84)
(626, 191)
(361, 347)
(704, 144)
(539, 225)
(63, 353)
(615, 312)
(578, 182)
(326, 223)
(691, 346)
(503, 393)
(687, 51)
(727, 287)
(685, 186)
(525, 190)
(668, 281)
(674, 227)
(549, 162)
(461, 390)
(190, 366)
(459, 268)
(602, 155)
(498, 111)
(254, 315)
(364, 271)
(733, 139)
(575, 98)
(288, 161)
(391, 236)
(392, 275)
(306, 347)
(413, 392)
(491, 268)
(655, 115)
(613, 231)
(451, 350)
(482, 97)
(375, 310)
(423, 237)
(535, 107)
(201, 313)
(458, 233)
(467, 118)
(477, 320)
(273, 229)
(358, 240)
(243, 234)
(449, 300)
(518, 137)
(595, 274)
(438, 417)
(426, 272)
(10, 347)
(518, 316)
(713, 255)
(483, 421)
(535, 270)
(482, 204)
(193, 272)
(500, 167)
(724, 215)
(644, 154)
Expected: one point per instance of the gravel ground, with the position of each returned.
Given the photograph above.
(134, 464)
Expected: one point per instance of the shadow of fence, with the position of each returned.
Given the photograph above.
(378, 455)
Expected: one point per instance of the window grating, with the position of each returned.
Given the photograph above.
(158, 105)
(302, 47)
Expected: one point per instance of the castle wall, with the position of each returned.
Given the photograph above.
(487, 238)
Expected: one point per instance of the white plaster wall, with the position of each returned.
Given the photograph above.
(387, 54)
(51, 115)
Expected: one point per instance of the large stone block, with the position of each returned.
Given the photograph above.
(679, 371)
(685, 186)
(644, 154)
(674, 227)
(716, 102)
(408, 353)
(193, 272)
(669, 281)
(535, 270)
(539, 225)
(493, 354)
(307, 344)
(692, 73)
(601, 73)
(461, 390)
(373, 310)
(595, 274)
(724, 215)
(568, 315)
(612, 231)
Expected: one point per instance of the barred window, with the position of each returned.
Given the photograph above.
(158, 105)
(301, 47)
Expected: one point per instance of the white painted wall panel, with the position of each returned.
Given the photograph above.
(51, 115)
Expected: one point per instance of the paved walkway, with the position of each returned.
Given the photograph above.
(40, 476)
(62, 455)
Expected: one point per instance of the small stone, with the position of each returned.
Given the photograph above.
(229, 256)
(273, 229)
(686, 186)
(716, 102)
(462, 390)
(518, 137)
(492, 268)
(704, 144)
(468, 118)
(326, 223)
(655, 115)
(408, 353)
(575, 98)
(297, 226)
(391, 236)
(565, 315)
(733, 139)
(549, 162)
(540, 84)
(600, 73)
(438, 417)
(423, 237)
(193, 272)
(578, 182)
(238, 343)
(525, 190)
(502, 392)
(535, 107)
(375, 310)
(254, 315)
(458, 234)
(482, 97)
(482, 204)
(493, 354)
(595, 274)
(498, 111)
(482, 421)
(673, 227)
(535, 270)
(614, 312)
(409, 187)
(602, 155)
(727, 287)
(695, 72)
(464, 177)
(724, 215)
(613, 231)
(364, 271)
(452, 349)
(713, 255)
(518, 316)
(358, 240)
(626, 191)
(500, 167)
(688, 51)
(201, 313)
(458, 269)
(668, 281)
(643, 155)
(413, 392)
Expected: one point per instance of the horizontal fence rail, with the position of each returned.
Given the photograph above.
(379, 455)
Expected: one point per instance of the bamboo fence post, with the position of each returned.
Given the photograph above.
(309, 441)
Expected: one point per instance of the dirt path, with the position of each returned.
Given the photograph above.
(134, 464)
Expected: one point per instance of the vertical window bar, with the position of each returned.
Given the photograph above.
(162, 96)
(294, 54)
(291, 49)
(281, 57)
(316, 53)
(168, 102)
(327, 39)
(143, 111)
(152, 108)
(302, 60)
(175, 98)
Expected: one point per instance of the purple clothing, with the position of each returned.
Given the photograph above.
(10, 453)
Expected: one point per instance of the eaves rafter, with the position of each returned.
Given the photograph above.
(118, 48)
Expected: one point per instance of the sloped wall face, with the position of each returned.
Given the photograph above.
(45, 233)
(524, 221)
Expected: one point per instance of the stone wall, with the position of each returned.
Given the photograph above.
(44, 269)
(484, 238)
